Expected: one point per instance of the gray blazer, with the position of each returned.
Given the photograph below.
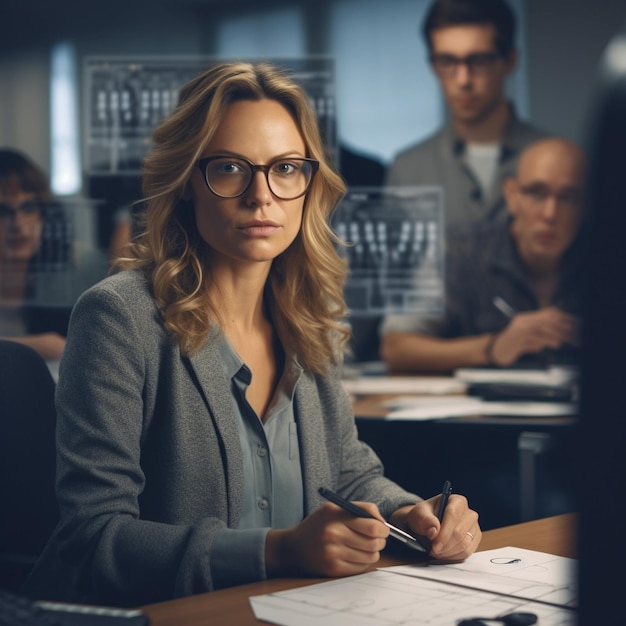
(439, 161)
(149, 460)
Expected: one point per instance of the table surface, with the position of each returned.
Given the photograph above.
(371, 407)
(554, 535)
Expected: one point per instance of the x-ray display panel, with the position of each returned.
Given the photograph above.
(125, 99)
(394, 249)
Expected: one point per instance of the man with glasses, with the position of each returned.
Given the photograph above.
(514, 287)
(514, 298)
(471, 50)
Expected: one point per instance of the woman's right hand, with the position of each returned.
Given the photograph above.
(328, 542)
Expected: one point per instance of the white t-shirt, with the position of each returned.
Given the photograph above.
(482, 158)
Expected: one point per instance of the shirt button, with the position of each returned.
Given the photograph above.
(263, 504)
(261, 451)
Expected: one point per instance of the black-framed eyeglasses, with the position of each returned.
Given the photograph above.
(479, 63)
(230, 177)
(539, 194)
(28, 209)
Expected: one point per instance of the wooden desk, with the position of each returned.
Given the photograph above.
(554, 535)
(371, 407)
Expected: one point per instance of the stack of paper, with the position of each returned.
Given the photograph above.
(489, 584)
(552, 377)
(441, 407)
(404, 384)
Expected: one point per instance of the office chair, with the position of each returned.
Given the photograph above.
(28, 509)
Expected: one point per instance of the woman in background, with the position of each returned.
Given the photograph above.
(24, 208)
(200, 404)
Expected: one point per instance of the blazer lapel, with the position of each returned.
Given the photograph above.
(316, 470)
(214, 385)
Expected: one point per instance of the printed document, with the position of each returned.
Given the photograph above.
(488, 584)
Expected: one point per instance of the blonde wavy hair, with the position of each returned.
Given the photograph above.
(304, 292)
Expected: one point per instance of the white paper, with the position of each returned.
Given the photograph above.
(365, 385)
(512, 571)
(393, 596)
(553, 376)
(461, 406)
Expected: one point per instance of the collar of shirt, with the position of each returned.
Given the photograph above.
(510, 144)
(273, 490)
(238, 371)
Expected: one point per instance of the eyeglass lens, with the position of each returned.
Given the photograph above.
(287, 178)
(30, 208)
(539, 194)
(448, 64)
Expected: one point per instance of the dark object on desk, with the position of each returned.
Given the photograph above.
(17, 610)
(523, 393)
(28, 508)
(512, 619)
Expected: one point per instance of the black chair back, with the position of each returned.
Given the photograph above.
(28, 509)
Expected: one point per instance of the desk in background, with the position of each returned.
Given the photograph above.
(480, 455)
(554, 535)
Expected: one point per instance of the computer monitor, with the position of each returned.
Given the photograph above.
(602, 429)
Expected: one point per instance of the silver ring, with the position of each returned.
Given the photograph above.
(470, 534)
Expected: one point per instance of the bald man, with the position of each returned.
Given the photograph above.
(514, 289)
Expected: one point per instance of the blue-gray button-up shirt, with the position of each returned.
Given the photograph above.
(273, 493)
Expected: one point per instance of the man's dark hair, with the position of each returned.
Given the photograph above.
(497, 13)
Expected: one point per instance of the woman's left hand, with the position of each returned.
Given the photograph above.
(455, 538)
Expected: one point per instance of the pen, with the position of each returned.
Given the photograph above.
(504, 307)
(508, 311)
(394, 531)
(445, 496)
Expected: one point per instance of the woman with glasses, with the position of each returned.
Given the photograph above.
(26, 213)
(200, 404)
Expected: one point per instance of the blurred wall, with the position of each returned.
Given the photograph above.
(565, 39)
